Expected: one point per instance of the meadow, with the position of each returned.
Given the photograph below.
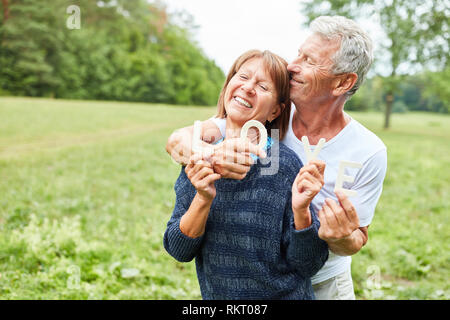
(86, 190)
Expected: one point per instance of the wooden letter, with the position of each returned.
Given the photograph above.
(196, 137)
(260, 127)
(341, 177)
(312, 155)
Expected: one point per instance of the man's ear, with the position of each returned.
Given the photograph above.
(276, 112)
(344, 83)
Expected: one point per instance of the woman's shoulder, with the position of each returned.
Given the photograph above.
(288, 153)
(288, 161)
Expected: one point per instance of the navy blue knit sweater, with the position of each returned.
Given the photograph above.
(250, 248)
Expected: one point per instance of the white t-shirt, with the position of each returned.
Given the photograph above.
(353, 143)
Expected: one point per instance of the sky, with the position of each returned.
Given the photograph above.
(229, 28)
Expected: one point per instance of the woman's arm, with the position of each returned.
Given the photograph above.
(193, 222)
(186, 227)
(306, 186)
(305, 250)
(177, 244)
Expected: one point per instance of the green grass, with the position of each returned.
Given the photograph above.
(86, 190)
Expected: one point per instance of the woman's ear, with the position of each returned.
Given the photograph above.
(344, 83)
(276, 112)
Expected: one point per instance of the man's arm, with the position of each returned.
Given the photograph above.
(344, 224)
(231, 158)
(339, 226)
(179, 144)
(349, 245)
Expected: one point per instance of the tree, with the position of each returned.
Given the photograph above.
(29, 46)
(128, 50)
(417, 34)
(5, 5)
(439, 86)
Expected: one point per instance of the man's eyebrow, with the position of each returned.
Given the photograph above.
(311, 54)
(308, 54)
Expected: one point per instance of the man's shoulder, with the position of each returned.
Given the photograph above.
(366, 137)
(359, 143)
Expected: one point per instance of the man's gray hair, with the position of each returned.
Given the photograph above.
(355, 53)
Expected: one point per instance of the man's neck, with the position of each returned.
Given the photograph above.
(323, 121)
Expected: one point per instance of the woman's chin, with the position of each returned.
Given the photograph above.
(238, 117)
(234, 126)
(238, 121)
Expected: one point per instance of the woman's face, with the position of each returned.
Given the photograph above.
(251, 94)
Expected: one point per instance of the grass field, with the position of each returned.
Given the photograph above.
(86, 190)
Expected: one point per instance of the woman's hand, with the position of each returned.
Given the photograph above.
(202, 176)
(306, 186)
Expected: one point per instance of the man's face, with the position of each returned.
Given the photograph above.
(311, 77)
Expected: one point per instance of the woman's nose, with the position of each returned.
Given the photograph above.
(248, 87)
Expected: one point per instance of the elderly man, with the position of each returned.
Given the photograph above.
(330, 66)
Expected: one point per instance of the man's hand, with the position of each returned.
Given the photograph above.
(231, 158)
(306, 186)
(179, 144)
(339, 226)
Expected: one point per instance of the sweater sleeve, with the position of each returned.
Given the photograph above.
(177, 244)
(305, 251)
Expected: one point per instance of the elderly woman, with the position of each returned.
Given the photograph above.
(251, 238)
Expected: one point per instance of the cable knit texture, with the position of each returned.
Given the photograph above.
(250, 248)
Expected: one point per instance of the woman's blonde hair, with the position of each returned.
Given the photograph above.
(276, 68)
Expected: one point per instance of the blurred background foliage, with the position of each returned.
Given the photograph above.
(427, 91)
(126, 50)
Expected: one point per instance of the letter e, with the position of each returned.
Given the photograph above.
(341, 177)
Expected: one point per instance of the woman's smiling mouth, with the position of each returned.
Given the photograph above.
(243, 102)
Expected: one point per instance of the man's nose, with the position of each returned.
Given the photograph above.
(294, 67)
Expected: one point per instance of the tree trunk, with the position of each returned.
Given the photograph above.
(5, 10)
(387, 114)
